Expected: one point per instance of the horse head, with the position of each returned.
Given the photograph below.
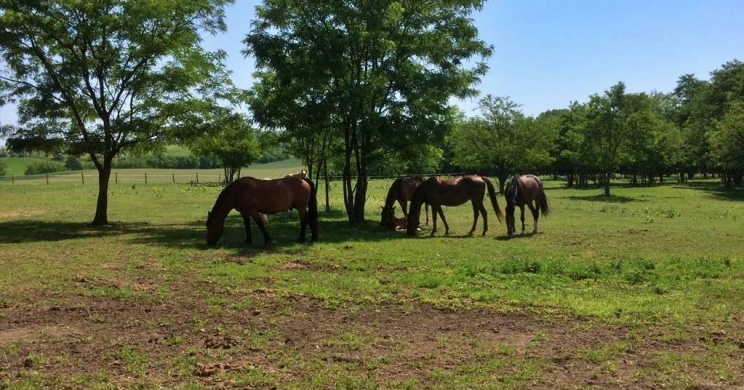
(387, 215)
(214, 229)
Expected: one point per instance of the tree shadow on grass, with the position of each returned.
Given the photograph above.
(715, 189)
(29, 231)
(605, 199)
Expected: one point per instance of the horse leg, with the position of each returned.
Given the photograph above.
(521, 210)
(247, 223)
(475, 219)
(262, 227)
(403, 206)
(434, 219)
(444, 220)
(304, 220)
(426, 209)
(484, 213)
(535, 216)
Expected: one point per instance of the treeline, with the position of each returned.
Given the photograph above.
(696, 129)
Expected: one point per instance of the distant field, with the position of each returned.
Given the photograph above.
(17, 165)
(139, 175)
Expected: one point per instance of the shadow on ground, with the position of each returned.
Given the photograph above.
(605, 199)
(715, 189)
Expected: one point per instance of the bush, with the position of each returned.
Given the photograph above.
(73, 164)
(44, 167)
(3, 172)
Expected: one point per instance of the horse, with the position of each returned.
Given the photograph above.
(302, 174)
(401, 190)
(525, 190)
(438, 192)
(252, 197)
(390, 222)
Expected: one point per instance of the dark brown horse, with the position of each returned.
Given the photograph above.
(439, 192)
(525, 190)
(402, 191)
(252, 197)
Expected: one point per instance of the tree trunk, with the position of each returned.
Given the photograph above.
(606, 183)
(104, 174)
(360, 197)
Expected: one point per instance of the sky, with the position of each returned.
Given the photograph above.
(548, 53)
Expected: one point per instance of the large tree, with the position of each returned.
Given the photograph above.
(381, 72)
(230, 139)
(105, 76)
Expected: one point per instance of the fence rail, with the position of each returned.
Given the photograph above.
(116, 178)
(148, 178)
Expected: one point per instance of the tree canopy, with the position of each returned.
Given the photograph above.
(377, 75)
(100, 77)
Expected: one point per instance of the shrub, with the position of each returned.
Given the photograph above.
(44, 167)
(73, 164)
(3, 172)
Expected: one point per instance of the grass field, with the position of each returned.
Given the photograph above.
(643, 290)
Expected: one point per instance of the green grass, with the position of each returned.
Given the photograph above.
(668, 259)
(17, 165)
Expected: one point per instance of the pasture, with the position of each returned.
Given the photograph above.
(643, 290)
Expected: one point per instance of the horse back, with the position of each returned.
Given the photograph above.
(532, 188)
(271, 196)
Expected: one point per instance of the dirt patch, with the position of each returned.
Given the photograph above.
(257, 339)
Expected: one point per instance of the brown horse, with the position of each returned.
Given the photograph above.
(439, 192)
(525, 190)
(252, 197)
(401, 190)
(392, 223)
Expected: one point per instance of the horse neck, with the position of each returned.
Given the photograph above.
(222, 206)
(392, 194)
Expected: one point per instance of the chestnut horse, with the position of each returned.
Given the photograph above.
(525, 190)
(438, 192)
(252, 197)
(401, 190)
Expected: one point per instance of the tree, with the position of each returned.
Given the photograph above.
(111, 75)
(501, 139)
(381, 74)
(728, 144)
(232, 141)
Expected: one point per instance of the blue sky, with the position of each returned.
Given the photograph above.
(548, 53)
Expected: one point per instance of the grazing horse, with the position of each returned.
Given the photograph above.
(401, 190)
(252, 197)
(438, 192)
(525, 190)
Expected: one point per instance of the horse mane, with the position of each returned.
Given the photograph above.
(221, 199)
(515, 187)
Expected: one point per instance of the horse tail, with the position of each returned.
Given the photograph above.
(494, 201)
(544, 209)
(312, 208)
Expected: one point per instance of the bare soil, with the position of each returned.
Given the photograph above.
(290, 340)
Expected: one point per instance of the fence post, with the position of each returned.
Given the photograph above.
(197, 178)
(116, 177)
(145, 177)
(47, 177)
(12, 179)
(174, 178)
(82, 177)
